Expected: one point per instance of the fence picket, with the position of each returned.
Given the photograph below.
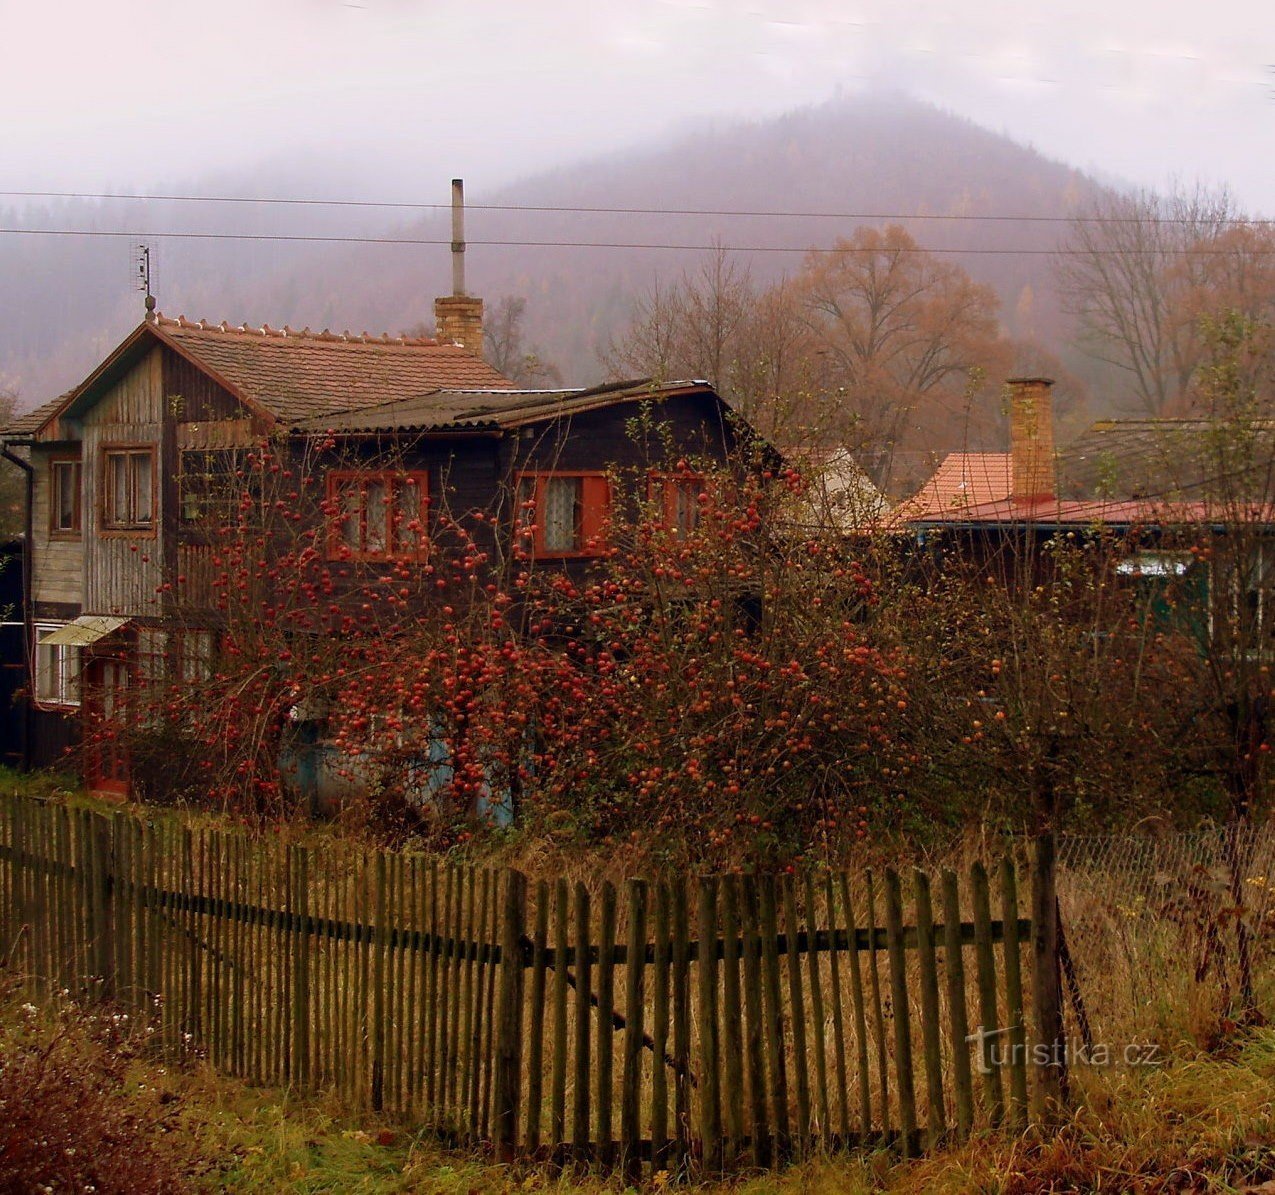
(634, 1008)
(710, 1106)
(988, 1018)
(899, 1010)
(580, 1101)
(732, 1017)
(931, 1034)
(536, 1020)
(1014, 996)
(958, 1024)
(605, 1064)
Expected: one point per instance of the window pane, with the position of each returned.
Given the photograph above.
(46, 673)
(375, 522)
(685, 507)
(65, 487)
(117, 488)
(141, 487)
(562, 514)
(351, 516)
(407, 516)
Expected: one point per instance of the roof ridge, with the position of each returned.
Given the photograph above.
(286, 332)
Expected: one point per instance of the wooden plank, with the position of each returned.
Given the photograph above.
(710, 1106)
(797, 1010)
(584, 979)
(471, 998)
(859, 1008)
(488, 1038)
(755, 1053)
(838, 1019)
(899, 1009)
(931, 1032)
(661, 964)
(400, 924)
(1010, 949)
(878, 1012)
(818, 1012)
(411, 1032)
(508, 1089)
(681, 1024)
(536, 1021)
(604, 1067)
(451, 914)
(732, 1018)
(1051, 1079)
(558, 1079)
(989, 1019)
(958, 1023)
(378, 984)
(773, 1022)
(634, 1029)
(433, 994)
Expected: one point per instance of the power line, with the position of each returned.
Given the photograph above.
(629, 211)
(687, 248)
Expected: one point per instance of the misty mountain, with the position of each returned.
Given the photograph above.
(866, 159)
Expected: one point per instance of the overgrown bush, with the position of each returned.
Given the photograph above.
(71, 1118)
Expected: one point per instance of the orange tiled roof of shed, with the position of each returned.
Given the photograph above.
(295, 375)
(963, 481)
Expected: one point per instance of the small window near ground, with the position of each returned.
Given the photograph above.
(129, 489)
(57, 671)
(64, 497)
(563, 514)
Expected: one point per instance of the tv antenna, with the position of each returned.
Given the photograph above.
(142, 261)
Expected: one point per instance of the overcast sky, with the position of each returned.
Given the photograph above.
(402, 94)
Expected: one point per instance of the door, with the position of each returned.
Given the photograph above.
(108, 679)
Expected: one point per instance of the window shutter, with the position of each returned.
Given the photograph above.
(597, 513)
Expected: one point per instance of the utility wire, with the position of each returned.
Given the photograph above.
(628, 211)
(371, 240)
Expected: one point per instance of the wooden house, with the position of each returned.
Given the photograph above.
(126, 471)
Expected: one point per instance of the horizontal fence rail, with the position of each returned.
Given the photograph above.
(691, 1026)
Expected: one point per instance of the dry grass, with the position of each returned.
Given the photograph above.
(1200, 1123)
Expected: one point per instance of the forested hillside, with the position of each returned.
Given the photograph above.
(66, 299)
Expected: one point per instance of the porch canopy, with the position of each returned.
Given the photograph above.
(84, 631)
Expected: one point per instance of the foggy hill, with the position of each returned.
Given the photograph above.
(68, 299)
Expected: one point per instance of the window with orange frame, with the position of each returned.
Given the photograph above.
(563, 514)
(377, 515)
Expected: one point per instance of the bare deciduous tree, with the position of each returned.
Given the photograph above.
(507, 351)
(1141, 270)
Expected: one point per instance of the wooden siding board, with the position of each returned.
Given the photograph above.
(123, 572)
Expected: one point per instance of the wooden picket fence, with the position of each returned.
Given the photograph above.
(690, 1026)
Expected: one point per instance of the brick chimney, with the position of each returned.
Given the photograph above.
(458, 317)
(1031, 440)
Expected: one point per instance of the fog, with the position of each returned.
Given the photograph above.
(386, 99)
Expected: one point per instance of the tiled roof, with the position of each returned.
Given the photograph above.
(296, 375)
(31, 422)
(1142, 512)
(494, 409)
(964, 480)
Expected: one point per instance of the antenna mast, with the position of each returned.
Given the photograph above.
(143, 263)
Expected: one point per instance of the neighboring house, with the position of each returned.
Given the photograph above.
(129, 468)
(1162, 484)
(838, 495)
(13, 719)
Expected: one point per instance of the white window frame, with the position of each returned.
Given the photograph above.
(57, 670)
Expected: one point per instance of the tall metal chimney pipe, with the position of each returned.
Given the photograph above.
(458, 236)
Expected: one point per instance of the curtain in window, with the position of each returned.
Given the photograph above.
(562, 514)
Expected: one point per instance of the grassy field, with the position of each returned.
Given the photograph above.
(78, 1083)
